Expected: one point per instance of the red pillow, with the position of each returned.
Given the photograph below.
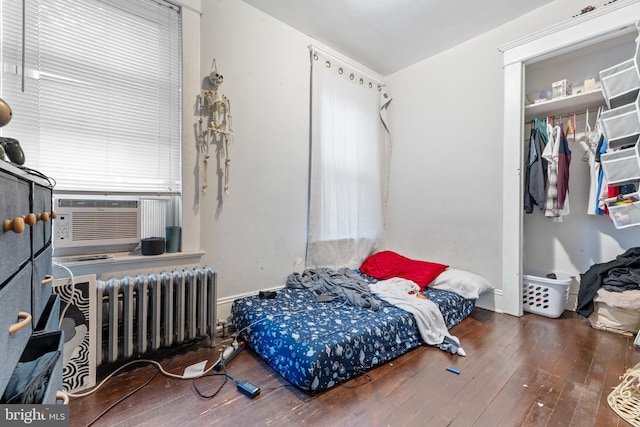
(387, 264)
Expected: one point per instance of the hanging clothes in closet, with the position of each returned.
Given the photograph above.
(547, 166)
(536, 171)
(558, 156)
(593, 139)
(602, 186)
(548, 162)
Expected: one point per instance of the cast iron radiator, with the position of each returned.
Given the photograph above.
(139, 314)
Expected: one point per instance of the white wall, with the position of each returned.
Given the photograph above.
(446, 175)
(190, 90)
(257, 236)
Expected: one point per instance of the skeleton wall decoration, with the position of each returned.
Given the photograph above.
(215, 127)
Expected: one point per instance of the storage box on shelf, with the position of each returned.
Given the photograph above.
(621, 126)
(624, 210)
(621, 83)
(622, 166)
(545, 296)
(28, 310)
(561, 88)
(621, 89)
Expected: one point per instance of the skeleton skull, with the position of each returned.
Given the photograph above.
(216, 78)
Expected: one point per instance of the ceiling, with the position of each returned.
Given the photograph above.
(389, 35)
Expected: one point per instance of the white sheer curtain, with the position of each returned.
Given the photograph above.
(349, 155)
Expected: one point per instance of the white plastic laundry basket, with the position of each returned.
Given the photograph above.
(544, 296)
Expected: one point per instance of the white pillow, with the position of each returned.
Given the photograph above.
(462, 282)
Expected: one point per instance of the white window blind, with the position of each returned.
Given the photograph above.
(101, 107)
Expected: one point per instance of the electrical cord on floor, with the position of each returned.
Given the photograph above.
(97, 387)
(214, 394)
(226, 376)
(244, 387)
(159, 369)
(158, 366)
(123, 398)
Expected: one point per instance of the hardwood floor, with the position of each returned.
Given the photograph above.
(528, 371)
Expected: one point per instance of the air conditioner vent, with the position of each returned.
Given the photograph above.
(96, 224)
(97, 203)
(104, 225)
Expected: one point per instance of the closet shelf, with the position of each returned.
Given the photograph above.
(567, 105)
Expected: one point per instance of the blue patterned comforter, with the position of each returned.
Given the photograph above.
(318, 345)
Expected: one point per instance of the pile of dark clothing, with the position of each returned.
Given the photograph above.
(619, 275)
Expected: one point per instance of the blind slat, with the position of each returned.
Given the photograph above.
(94, 114)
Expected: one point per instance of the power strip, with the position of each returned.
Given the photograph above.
(229, 353)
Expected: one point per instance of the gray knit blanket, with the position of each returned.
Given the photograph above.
(343, 284)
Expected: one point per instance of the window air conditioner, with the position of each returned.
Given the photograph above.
(94, 224)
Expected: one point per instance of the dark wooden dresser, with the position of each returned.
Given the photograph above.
(29, 311)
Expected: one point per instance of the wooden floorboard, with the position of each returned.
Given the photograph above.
(527, 371)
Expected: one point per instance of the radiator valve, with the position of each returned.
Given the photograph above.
(223, 326)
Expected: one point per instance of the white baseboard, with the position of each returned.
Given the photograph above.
(225, 303)
(488, 300)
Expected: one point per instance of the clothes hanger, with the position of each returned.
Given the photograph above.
(541, 126)
(585, 140)
(570, 127)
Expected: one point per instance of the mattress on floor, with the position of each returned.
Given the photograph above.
(318, 345)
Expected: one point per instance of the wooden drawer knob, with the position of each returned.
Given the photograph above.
(26, 319)
(61, 395)
(54, 215)
(16, 225)
(44, 216)
(47, 279)
(29, 219)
